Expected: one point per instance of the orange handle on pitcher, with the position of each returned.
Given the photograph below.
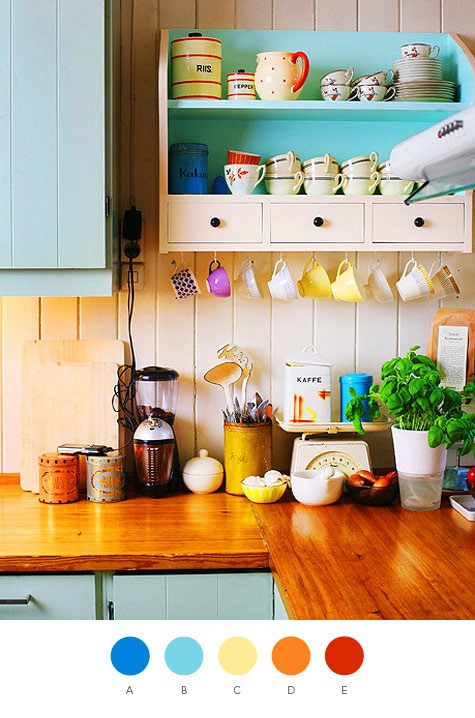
(305, 69)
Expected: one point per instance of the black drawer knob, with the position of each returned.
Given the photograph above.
(215, 221)
(318, 221)
(419, 221)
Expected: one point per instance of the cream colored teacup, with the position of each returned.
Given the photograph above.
(378, 285)
(361, 165)
(347, 286)
(375, 93)
(391, 186)
(359, 185)
(332, 93)
(414, 282)
(420, 49)
(287, 163)
(284, 184)
(377, 78)
(443, 281)
(281, 285)
(247, 283)
(243, 179)
(323, 184)
(338, 77)
(326, 164)
(314, 281)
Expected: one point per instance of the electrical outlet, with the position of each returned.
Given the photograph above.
(138, 275)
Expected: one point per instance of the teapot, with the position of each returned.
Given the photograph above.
(279, 77)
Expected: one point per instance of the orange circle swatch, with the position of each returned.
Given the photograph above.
(291, 655)
(344, 655)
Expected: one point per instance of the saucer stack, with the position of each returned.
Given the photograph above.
(419, 79)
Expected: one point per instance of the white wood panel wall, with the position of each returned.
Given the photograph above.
(186, 334)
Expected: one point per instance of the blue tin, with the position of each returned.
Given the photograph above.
(188, 168)
(361, 384)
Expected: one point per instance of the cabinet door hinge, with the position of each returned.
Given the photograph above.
(108, 206)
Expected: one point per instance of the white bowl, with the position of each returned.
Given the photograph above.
(317, 487)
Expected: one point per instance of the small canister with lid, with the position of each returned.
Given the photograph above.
(361, 383)
(106, 478)
(241, 85)
(196, 67)
(59, 478)
(202, 474)
(188, 168)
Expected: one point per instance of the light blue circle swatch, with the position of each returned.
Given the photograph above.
(183, 656)
(130, 656)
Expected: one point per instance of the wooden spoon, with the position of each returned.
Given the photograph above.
(224, 375)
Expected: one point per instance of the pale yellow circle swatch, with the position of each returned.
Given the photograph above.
(237, 656)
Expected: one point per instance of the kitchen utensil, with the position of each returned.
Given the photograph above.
(307, 387)
(246, 373)
(347, 455)
(373, 495)
(202, 474)
(278, 75)
(263, 494)
(218, 281)
(241, 85)
(196, 67)
(317, 487)
(247, 451)
(70, 382)
(154, 449)
(225, 375)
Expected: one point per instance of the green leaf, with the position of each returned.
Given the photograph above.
(435, 436)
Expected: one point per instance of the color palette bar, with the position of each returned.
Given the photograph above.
(238, 655)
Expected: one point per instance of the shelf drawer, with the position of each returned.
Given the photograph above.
(210, 222)
(317, 223)
(32, 597)
(422, 224)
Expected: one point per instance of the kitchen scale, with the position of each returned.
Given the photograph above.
(349, 455)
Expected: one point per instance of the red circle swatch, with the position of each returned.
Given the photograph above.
(291, 655)
(344, 655)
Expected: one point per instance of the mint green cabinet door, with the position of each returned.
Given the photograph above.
(45, 597)
(197, 596)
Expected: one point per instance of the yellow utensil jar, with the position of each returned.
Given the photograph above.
(247, 452)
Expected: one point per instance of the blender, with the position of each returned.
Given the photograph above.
(155, 449)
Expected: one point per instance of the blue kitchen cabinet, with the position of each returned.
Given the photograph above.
(192, 596)
(57, 61)
(31, 597)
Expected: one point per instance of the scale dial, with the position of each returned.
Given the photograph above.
(337, 460)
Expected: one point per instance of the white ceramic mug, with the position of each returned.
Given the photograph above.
(443, 281)
(325, 164)
(338, 77)
(414, 282)
(323, 184)
(284, 184)
(281, 285)
(288, 162)
(243, 179)
(375, 93)
(377, 78)
(392, 186)
(332, 93)
(361, 165)
(420, 49)
(377, 284)
(246, 283)
(365, 184)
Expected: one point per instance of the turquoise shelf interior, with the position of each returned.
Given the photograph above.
(309, 125)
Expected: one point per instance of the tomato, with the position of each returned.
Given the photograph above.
(471, 478)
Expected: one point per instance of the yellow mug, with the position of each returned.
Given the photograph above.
(346, 287)
(314, 281)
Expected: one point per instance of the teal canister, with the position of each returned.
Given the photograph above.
(188, 168)
(361, 383)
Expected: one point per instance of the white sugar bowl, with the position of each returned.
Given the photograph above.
(202, 474)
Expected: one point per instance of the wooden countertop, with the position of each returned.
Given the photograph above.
(332, 562)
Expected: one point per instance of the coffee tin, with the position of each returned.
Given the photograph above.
(188, 168)
(308, 388)
(58, 478)
(106, 478)
(241, 85)
(196, 67)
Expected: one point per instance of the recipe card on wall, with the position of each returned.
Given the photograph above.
(234, 668)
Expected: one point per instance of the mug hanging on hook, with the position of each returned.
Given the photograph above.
(183, 281)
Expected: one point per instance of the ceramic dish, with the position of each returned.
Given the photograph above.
(263, 494)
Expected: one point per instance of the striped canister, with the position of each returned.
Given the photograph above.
(241, 85)
(196, 67)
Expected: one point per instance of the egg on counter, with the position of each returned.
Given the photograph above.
(202, 474)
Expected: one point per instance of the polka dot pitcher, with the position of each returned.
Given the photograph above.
(279, 76)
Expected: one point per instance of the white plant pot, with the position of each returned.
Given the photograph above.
(413, 455)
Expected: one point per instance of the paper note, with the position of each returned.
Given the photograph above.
(452, 356)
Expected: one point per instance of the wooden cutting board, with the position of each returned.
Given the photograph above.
(67, 389)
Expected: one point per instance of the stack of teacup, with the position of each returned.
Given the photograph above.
(359, 175)
(390, 184)
(375, 87)
(320, 175)
(336, 85)
(283, 174)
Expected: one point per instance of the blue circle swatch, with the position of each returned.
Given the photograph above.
(130, 656)
(183, 656)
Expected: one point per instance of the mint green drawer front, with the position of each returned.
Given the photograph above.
(193, 596)
(52, 597)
